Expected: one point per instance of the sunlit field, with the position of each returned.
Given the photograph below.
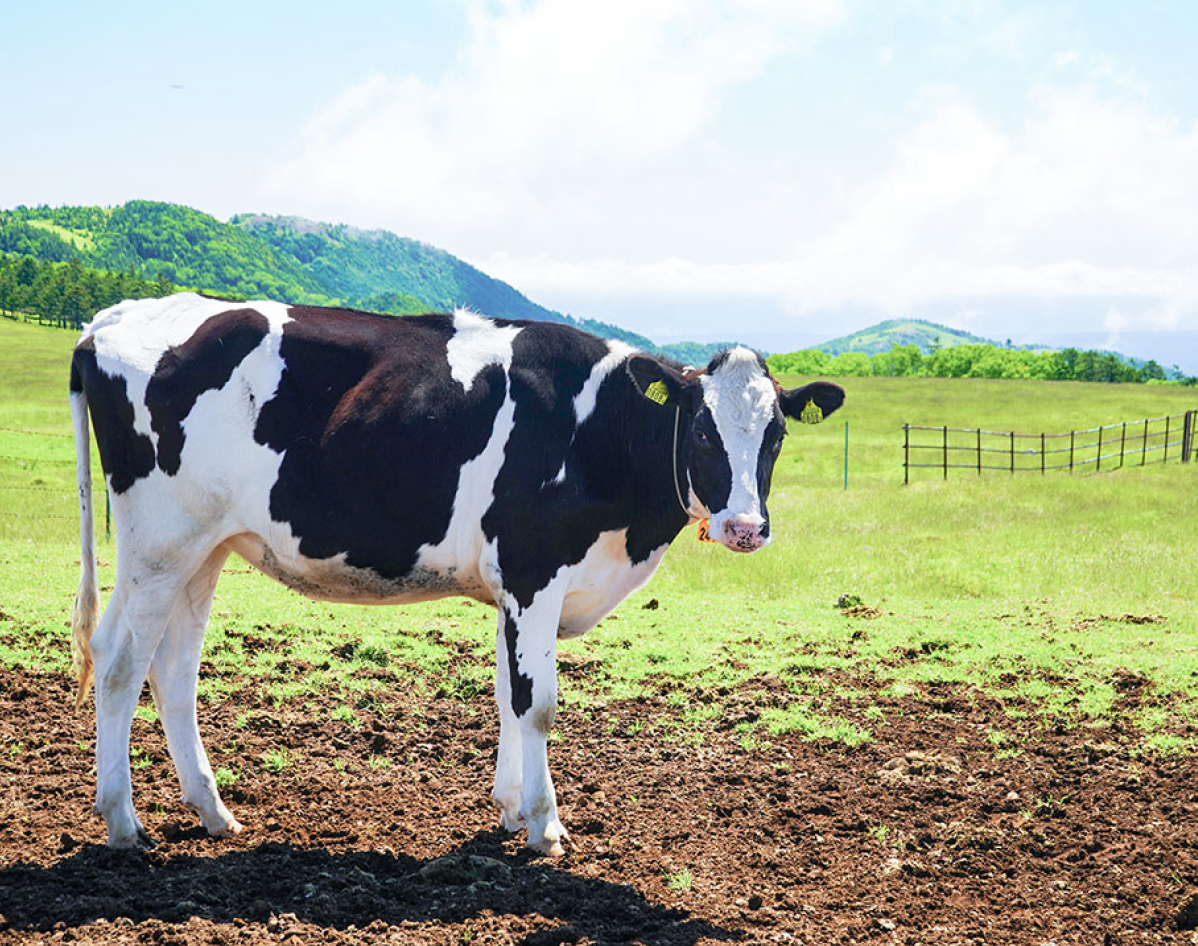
(1043, 587)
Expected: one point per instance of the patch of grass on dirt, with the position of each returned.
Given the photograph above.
(278, 759)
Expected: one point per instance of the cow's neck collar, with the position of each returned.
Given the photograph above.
(678, 491)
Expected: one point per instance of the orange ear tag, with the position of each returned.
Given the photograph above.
(704, 534)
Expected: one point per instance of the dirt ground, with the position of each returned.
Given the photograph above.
(920, 836)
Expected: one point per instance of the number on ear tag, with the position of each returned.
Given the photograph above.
(704, 533)
(811, 413)
(657, 392)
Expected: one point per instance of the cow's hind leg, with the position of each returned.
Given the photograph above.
(173, 679)
(121, 648)
(529, 641)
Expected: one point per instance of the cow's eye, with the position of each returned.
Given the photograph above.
(702, 438)
(777, 447)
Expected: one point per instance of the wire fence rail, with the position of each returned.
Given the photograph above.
(1131, 443)
(16, 495)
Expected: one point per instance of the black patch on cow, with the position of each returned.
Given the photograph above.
(521, 685)
(374, 432)
(617, 464)
(710, 471)
(126, 455)
(204, 362)
(718, 360)
(827, 396)
(767, 456)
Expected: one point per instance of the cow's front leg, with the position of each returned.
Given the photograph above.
(508, 772)
(528, 645)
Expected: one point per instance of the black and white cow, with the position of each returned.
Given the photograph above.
(365, 458)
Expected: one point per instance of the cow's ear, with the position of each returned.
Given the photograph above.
(812, 402)
(655, 381)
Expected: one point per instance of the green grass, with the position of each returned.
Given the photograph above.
(1016, 586)
(79, 239)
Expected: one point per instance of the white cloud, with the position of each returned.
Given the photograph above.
(579, 145)
(1089, 197)
(551, 109)
(1065, 58)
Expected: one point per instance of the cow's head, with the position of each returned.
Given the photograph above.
(731, 425)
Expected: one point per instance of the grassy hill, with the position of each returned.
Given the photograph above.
(367, 266)
(927, 336)
(260, 256)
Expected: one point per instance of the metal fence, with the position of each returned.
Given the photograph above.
(54, 459)
(1131, 443)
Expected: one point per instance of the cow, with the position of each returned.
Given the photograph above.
(373, 459)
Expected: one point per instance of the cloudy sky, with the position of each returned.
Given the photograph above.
(778, 171)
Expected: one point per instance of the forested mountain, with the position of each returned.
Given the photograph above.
(181, 245)
(926, 336)
(257, 256)
(364, 265)
(917, 348)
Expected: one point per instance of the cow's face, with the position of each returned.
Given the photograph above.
(732, 420)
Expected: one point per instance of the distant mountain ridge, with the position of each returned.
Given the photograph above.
(262, 256)
(931, 336)
(926, 336)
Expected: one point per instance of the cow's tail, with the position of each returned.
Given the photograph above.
(87, 600)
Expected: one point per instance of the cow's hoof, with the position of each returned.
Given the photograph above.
(511, 823)
(228, 830)
(509, 814)
(549, 848)
(139, 841)
(551, 840)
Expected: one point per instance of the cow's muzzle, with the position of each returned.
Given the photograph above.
(744, 532)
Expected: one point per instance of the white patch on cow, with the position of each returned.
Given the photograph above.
(587, 399)
(476, 343)
(130, 338)
(604, 578)
(742, 401)
(461, 551)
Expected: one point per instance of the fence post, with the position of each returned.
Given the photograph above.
(906, 453)
(1144, 445)
(1122, 444)
(1072, 435)
(1012, 452)
(979, 432)
(1165, 458)
(1098, 456)
(1185, 437)
(1041, 453)
(944, 452)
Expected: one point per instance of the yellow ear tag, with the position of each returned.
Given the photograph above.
(704, 534)
(657, 392)
(811, 413)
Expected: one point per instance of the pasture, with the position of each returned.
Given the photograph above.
(992, 740)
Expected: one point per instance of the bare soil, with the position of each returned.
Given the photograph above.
(924, 835)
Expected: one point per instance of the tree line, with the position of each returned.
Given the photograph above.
(972, 361)
(68, 294)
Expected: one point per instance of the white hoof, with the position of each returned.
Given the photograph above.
(509, 812)
(550, 842)
(227, 830)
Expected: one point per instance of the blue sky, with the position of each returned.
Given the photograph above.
(779, 171)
